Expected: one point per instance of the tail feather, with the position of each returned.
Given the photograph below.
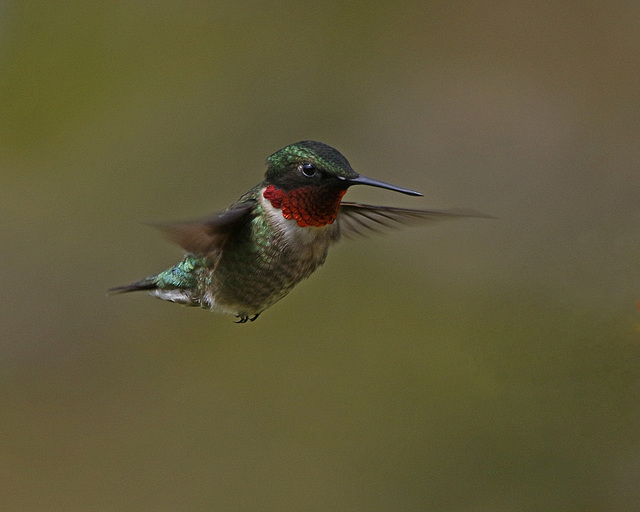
(173, 284)
(145, 284)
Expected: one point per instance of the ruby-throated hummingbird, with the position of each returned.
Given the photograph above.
(245, 259)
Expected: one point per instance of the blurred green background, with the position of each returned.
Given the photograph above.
(476, 365)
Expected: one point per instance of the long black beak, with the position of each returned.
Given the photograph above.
(363, 180)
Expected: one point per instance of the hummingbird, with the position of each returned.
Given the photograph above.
(243, 260)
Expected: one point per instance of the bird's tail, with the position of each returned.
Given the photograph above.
(148, 283)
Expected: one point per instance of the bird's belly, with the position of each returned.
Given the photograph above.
(249, 279)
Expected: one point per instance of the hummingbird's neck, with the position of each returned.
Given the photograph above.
(309, 206)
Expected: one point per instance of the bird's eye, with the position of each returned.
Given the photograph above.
(308, 170)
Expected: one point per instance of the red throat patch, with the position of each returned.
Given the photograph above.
(309, 206)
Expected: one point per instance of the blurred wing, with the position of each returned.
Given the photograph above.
(360, 219)
(207, 237)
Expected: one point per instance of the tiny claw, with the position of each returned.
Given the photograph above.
(243, 319)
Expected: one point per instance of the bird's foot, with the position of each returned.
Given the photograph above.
(243, 319)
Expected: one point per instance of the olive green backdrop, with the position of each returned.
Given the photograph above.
(475, 365)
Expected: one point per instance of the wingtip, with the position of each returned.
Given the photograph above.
(470, 212)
